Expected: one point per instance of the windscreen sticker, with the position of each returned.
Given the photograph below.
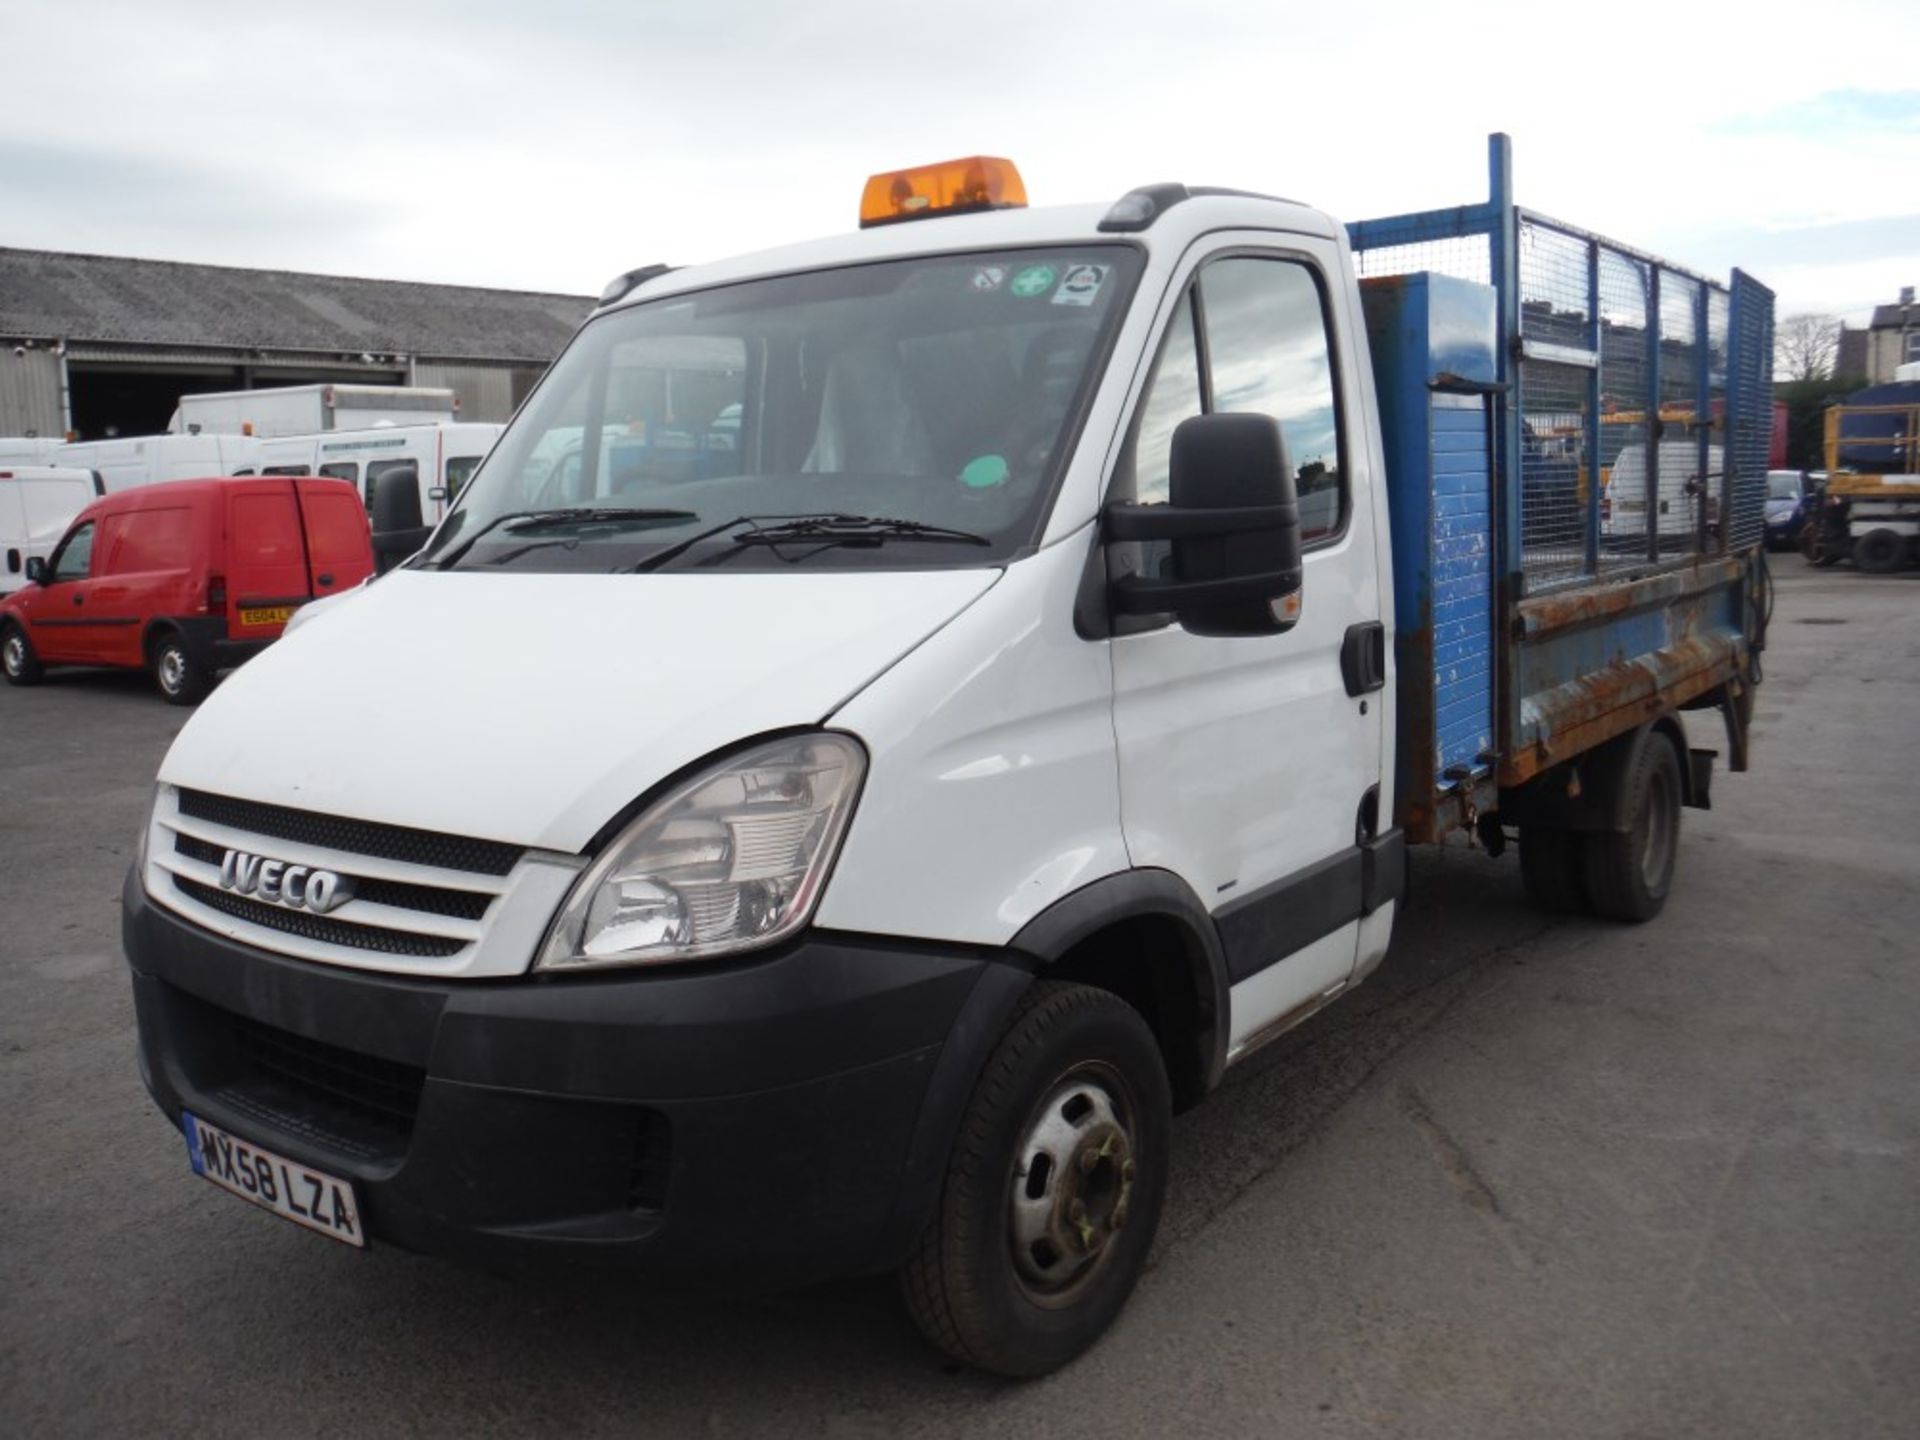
(1034, 280)
(1081, 285)
(989, 277)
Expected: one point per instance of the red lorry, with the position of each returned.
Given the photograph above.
(184, 579)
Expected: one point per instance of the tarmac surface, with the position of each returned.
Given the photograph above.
(1537, 1177)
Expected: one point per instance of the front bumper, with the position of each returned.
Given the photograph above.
(786, 1117)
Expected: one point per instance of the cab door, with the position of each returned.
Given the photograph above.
(62, 626)
(1246, 765)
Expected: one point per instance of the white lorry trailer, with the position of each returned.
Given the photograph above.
(922, 744)
(304, 409)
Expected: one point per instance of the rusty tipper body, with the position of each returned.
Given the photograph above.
(1521, 365)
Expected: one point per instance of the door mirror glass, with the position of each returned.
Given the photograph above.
(36, 570)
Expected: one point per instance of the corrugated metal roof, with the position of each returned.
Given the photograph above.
(106, 298)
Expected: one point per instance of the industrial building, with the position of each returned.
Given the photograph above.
(97, 345)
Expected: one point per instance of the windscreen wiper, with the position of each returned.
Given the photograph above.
(563, 515)
(854, 530)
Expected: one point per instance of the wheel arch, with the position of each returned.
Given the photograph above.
(1145, 935)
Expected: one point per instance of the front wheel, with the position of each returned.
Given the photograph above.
(181, 679)
(1629, 872)
(1053, 1189)
(17, 660)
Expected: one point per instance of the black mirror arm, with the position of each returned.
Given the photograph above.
(1137, 595)
(1121, 521)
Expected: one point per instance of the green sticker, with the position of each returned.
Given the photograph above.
(985, 472)
(1034, 280)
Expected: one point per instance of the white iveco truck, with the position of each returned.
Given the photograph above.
(921, 706)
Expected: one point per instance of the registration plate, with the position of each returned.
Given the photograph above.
(267, 615)
(297, 1192)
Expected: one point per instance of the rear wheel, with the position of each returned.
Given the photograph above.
(1629, 872)
(1880, 552)
(17, 660)
(1053, 1188)
(181, 679)
(1553, 868)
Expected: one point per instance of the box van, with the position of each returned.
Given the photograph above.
(184, 579)
(37, 503)
(932, 700)
(305, 409)
(444, 457)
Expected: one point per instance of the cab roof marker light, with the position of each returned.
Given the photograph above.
(621, 286)
(1138, 209)
(952, 187)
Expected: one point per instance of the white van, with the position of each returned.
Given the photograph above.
(1684, 487)
(443, 456)
(123, 464)
(37, 503)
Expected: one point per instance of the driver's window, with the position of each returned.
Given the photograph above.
(76, 555)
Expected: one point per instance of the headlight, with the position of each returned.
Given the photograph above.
(733, 859)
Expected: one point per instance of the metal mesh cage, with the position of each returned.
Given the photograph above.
(1623, 402)
(1682, 484)
(1750, 329)
(1554, 407)
(1467, 257)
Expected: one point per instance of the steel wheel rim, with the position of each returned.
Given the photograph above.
(1072, 1184)
(173, 670)
(13, 654)
(1656, 852)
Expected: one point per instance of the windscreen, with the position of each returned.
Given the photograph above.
(906, 413)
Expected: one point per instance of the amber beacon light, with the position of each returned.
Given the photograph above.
(953, 187)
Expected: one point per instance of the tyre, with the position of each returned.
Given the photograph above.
(1629, 872)
(180, 677)
(1880, 552)
(17, 660)
(1053, 1189)
(1553, 868)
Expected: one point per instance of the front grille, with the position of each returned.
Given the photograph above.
(357, 1103)
(430, 899)
(359, 837)
(319, 927)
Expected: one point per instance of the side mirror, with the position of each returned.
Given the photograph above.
(1234, 525)
(36, 570)
(398, 529)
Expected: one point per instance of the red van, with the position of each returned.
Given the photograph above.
(184, 579)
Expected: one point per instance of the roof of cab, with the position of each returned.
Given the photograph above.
(1172, 231)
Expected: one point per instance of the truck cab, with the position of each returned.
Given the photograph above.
(950, 709)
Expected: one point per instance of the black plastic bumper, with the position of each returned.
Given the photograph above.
(206, 637)
(785, 1118)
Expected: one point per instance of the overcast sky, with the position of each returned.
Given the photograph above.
(550, 145)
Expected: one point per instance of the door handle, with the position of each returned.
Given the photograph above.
(323, 580)
(79, 599)
(1363, 657)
